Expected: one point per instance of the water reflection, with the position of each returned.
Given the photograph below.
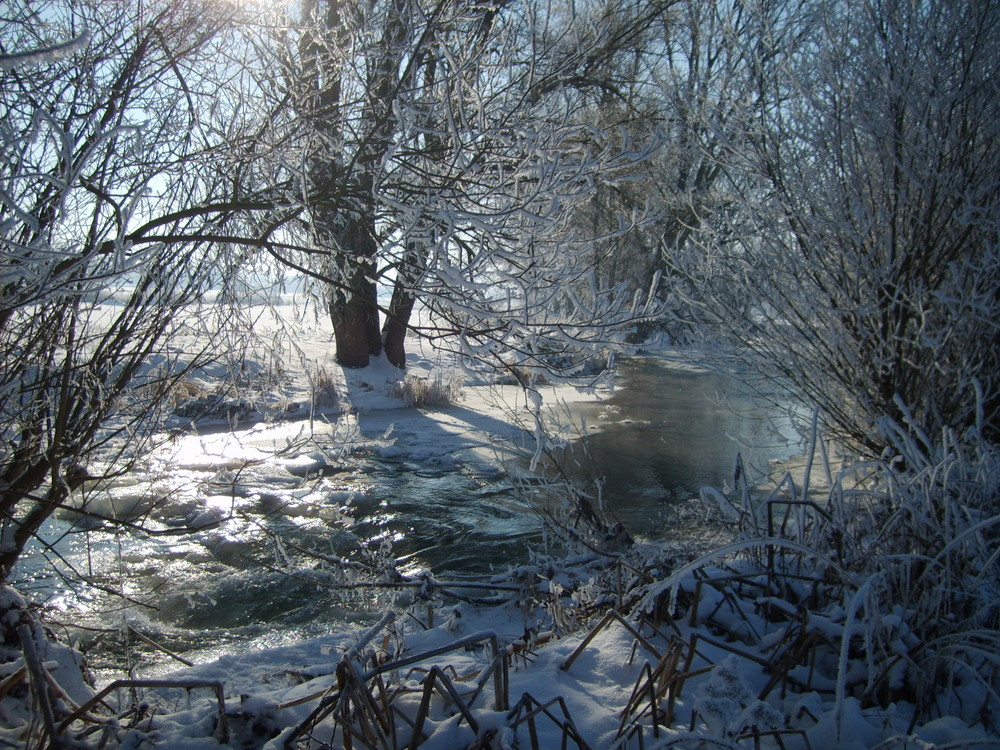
(668, 432)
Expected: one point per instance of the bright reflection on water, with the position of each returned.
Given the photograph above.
(241, 582)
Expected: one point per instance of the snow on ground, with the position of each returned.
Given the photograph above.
(569, 685)
(487, 419)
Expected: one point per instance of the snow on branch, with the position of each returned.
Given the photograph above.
(43, 55)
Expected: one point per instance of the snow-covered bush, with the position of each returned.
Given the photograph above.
(439, 390)
(323, 385)
(859, 262)
(893, 578)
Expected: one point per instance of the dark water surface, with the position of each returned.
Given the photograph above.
(670, 431)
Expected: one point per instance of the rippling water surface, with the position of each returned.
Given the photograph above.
(241, 582)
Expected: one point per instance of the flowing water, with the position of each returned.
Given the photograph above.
(241, 583)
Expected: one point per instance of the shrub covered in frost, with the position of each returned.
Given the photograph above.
(897, 571)
(435, 391)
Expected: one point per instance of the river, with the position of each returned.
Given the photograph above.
(669, 431)
(241, 583)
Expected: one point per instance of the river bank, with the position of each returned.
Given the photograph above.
(275, 537)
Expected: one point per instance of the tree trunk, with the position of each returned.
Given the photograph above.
(350, 329)
(397, 324)
(354, 307)
(353, 302)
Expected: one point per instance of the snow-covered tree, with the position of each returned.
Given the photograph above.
(112, 202)
(690, 80)
(865, 244)
(440, 150)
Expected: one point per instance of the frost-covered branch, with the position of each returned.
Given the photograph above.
(859, 264)
(106, 141)
(442, 152)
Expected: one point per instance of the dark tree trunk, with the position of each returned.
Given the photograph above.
(350, 330)
(354, 307)
(397, 324)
